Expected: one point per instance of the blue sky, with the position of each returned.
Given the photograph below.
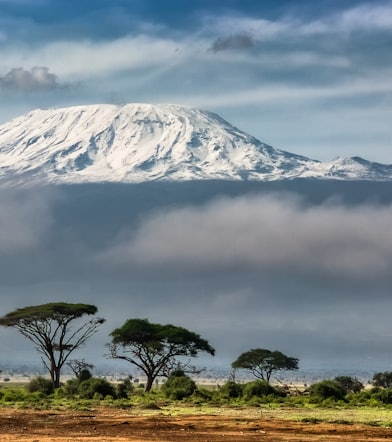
(311, 77)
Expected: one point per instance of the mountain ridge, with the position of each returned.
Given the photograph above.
(138, 142)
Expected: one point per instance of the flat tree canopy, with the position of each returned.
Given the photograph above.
(262, 363)
(154, 348)
(49, 327)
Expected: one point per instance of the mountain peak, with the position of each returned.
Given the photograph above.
(144, 142)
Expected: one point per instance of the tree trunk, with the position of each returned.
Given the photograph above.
(52, 372)
(56, 382)
(150, 381)
(55, 374)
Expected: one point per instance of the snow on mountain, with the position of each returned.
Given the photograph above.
(142, 142)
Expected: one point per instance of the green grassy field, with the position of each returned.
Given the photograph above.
(370, 406)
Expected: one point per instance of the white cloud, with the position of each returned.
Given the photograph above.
(265, 234)
(278, 93)
(363, 17)
(37, 78)
(88, 58)
(366, 17)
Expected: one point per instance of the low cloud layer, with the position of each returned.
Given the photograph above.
(237, 237)
(263, 234)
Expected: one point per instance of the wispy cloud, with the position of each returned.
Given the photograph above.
(282, 43)
(366, 17)
(88, 58)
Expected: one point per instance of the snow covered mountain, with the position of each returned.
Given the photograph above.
(136, 143)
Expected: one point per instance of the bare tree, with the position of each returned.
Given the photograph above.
(78, 365)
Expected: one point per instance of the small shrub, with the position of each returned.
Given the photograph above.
(40, 384)
(231, 390)
(125, 389)
(257, 389)
(14, 396)
(84, 375)
(59, 393)
(361, 398)
(179, 387)
(202, 395)
(88, 389)
(373, 403)
(327, 390)
(383, 395)
(97, 396)
(71, 387)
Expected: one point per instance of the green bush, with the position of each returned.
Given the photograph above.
(327, 389)
(361, 398)
(202, 395)
(349, 384)
(383, 395)
(84, 375)
(14, 395)
(71, 387)
(125, 389)
(94, 387)
(257, 389)
(231, 390)
(40, 384)
(373, 397)
(383, 379)
(179, 387)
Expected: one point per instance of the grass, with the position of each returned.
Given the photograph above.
(299, 409)
(375, 416)
(380, 417)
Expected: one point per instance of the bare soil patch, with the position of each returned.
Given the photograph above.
(106, 425)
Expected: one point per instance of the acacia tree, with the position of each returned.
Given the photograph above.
(154, 348)
(50, 327)
(262, 363)
(382, 379)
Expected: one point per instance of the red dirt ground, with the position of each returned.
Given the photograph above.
(108, 425)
